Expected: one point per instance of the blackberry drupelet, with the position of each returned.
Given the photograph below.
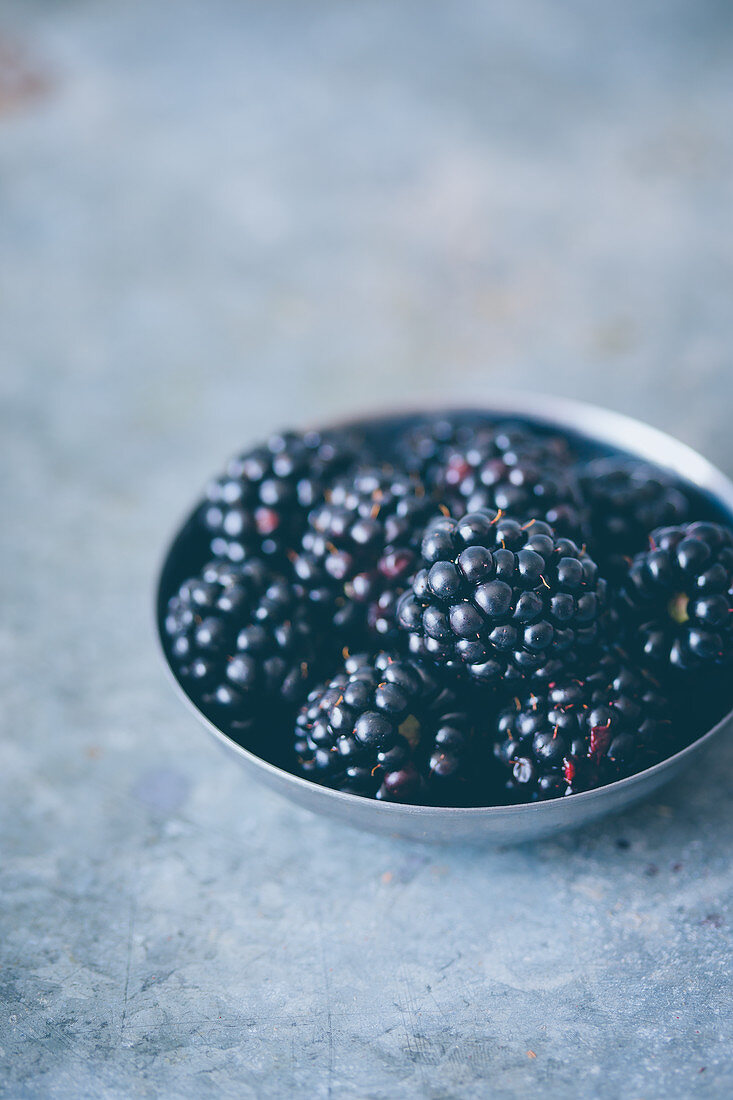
(497, 598)
(360, 548)
(365, 731)
(677, 598)
(577, 734)
(628, 499)
(239, 636)
(261, 502)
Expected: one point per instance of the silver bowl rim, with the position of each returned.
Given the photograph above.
(583, 419)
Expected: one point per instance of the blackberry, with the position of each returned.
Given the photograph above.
(498, 598)
(477, 464)
(239, 636)
(261, 502)
(423, 448)
(204, 615)
(455, 767)
(628, 499)
(576, 734)
(677, 598)
(519, 472)
(360, 548)
(366, 731)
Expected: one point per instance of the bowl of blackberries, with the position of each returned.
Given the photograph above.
(470, 624)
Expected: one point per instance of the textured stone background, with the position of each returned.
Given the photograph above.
(219, 218)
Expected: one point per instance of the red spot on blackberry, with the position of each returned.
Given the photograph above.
(267, 521)
(396, 564)
(600, 739)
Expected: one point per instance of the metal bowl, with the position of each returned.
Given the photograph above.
(500, 825)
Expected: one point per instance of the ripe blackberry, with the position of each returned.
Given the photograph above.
(628, 499)
(455, 769)
(515, 470)
(261, 502)
(360, 548)
(498, 598)
(364, 731)
(577, 734)
(677, 598)
(238, 636)
(423, 448)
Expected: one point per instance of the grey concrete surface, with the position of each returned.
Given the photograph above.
(220, 218)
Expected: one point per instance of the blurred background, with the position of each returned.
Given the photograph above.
(225, 217)
(222, 218)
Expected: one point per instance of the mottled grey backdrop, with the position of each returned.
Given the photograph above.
(219, 218)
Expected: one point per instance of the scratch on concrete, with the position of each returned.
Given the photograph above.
(130, 933)
(329, 1013)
